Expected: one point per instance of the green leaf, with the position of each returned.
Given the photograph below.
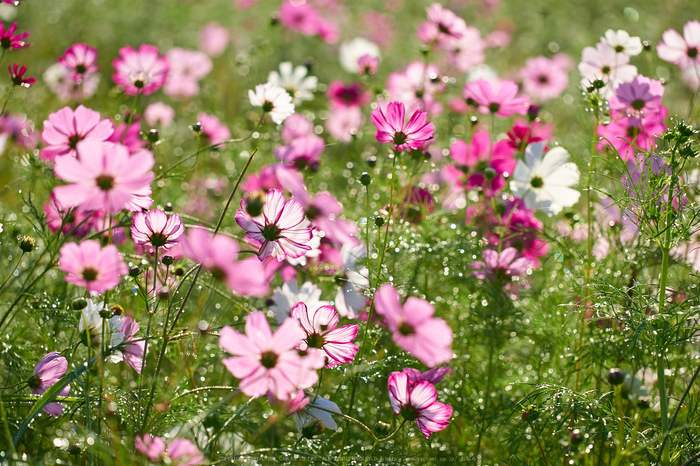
(49, 396)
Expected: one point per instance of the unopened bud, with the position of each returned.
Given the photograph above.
(134, 272)
(197, 127)
(647, 46)
(167, 260)
(378, 221)
(27, 244)
(616, 376)
(576, 437)
(313, 429)
(168, 207)
(78, 304)
(372, 162)
(365, 179)
(255, 202)
(153, 136)
(532, 112)
(489, 173)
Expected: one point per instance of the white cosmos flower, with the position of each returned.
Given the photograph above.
(351, 51)
(290, 294)
(295, 81)
(311, 414)
(91, 320)
(349, 299)
(622, 42)
(273, 99)
(545, 183)
(602, 62)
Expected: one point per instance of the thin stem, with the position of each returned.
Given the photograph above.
(692, 460)
(2, 287)
(6, 426)
(620, 426)
(539, 444)
(9, 94)
(131, 116)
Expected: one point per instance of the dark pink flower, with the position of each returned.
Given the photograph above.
(418, 403)
(523, 230)
(479, 156)
(627, 134)
(156, 230)
(91, 266)
(433, 376)
(133, 351)
(321, 333)
(393, 128)
(213, 129)
(267, 362)
(104, 176)
(347, 95)
(500, 266)
(17, 76)
(66, 128)
(523, 133)
(47, 372)
(132, 140)
(180, 452)
(684, 50)
(413, 326)
(74, 220)
(218, 255)
(281, 230)
(142, 71)
(80, 59)
(10, 41)
(496, 97)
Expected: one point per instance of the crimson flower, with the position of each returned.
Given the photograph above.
(17, 76)
(10, 41)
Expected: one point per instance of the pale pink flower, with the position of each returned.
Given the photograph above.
(418, 403)
(132, 351)
(302, 152)
(60, 80)
(218, 255)
(66, 128)
(466, 52)
(267, 362)
(543, 78)
(414, 328)
(187, 67)
(213, 39)
(76, 221)
(498, 98)
(501, 266)
(80, 59)
(417, 87)
(142, 71)
(684, 50)
(179, 452)
(344, 122)
(605, 64)
(641, 96)
(433, 376)
(156, 230)
(393, 128)
(281, 230)
(691, 76)
(104, 176)
(367, 65)
(321, 333)
(213, 128)
(296, 126)
(300, 17)
(498, 39)
(47, 372)
(441, 26)
(91, 266)
(159, 114)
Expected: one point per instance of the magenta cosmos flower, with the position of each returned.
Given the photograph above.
(142, 71)
(478, 156)
(415, 329)
(104, 176)
(180, 452)
(218, 255)
(392, 127)
(267, 362)
(501, 266)
(91, 266)
(683, 50)
(17, 76)
(10, 41)
(639, 96)
(156, 230)
(47, 372)
(321, 333)
(132, 351)
(80, 59)
(418, 402)
(66, 128)
(496, 97)
(213, 129)
(281, 230)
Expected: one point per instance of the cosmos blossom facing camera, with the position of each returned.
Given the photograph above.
(140, 71)
(91, 266)
(392, 127)
(418, 402)
(322, 332)
(67, 127)
(155, 229)
(273, 99)
(80, 59)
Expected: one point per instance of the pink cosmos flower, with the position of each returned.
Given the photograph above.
(523, 230)
(281, 230)
(604, 63)
(47, 372)
(498, 39)
(441, 26)
(218, 255)
(66, 128)
(415, 329)
(418, 403)
(321, 333)
(213, 39)
(368, 65)
(683, 51)
(392, 127)
(133, 351)
(77, 220)
(500, 266)
(302, 152)
(132, 140)
(20, 130)
(159, 114)
(142, 71)
(91, 266)
(180, 452)
(344, 122)
(296, 126)
(433, 376)
(543, 78)
(629, 133)
(466, 52)
(10, 41)
(155, 229)
(213, 129)
(523, 133)
(300, 17)
(104, 176)
(347, 95)
(639, 96)
(496, 97)
(479, 155)
(80, 59)
(17, 76)
(187, 67)
(417, 87)
(269, 362)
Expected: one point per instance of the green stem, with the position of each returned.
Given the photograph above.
(2, 287)
(6, 426)
(9, 94)
(539, 444)
(620, 426)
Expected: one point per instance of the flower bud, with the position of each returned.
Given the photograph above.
(75, 449)
(197, 127)
(532, 112)
(383, 429)
(378, 221)
(489, 173)
(179, 271)
(153, 136)
(616, 376)
(105, 313)
(473, 120)
(27, 244)
(530, 414)
(372, 162)
(647, 46)
(164, 293)
(168, 207)
(643, 402)
(167, 260)
(254, 203)
(576, 437)
(134, 272)
(78, 304)
(365, 179)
